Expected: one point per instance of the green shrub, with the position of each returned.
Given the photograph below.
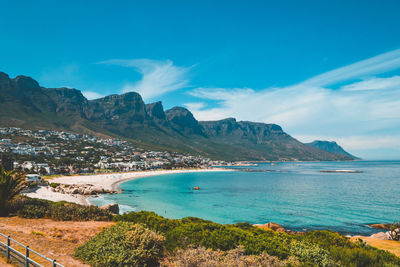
(123, 244)
(315, 248)
(312, 254)
(32, 212)
(32, 208)
(54, 185)
(364, 257)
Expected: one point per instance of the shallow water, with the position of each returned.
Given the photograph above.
(296, 195)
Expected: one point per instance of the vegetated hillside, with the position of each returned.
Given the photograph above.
(330, 146)
(24, 103)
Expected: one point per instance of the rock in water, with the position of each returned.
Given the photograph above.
(113, 208)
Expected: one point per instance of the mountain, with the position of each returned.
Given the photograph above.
(24, 103)
(331, 147)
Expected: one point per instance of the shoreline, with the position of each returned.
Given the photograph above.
(108, 181)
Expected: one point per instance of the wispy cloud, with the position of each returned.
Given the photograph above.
(195, 105)
(374, 84)
(158, 76)
(371, 66)
(350, 114)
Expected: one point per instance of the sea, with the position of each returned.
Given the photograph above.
(300, 196)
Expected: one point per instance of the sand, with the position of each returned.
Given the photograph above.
(109, 181)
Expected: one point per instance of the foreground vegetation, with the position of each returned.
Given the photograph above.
(192, 242)
(11, 184)
(147, 239)
(33, 208)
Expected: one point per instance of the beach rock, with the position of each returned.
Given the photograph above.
(98, 190)
(382, 236)
(272, 226)
(380, 226)
(113, 208)
(74, 191)
(87, 191)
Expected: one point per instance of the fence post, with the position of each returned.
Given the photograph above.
(8, 248)
(54, 263)
(27, 256)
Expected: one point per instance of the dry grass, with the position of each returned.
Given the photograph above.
(388, 245)
(54, 239)
(4, 263)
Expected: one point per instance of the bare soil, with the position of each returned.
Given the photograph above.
(54, 239)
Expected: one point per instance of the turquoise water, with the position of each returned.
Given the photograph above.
(296, 195)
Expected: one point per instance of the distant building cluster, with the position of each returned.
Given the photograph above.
(59, 152)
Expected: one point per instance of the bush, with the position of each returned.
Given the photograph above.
(203, 257)
(33, 208)
(123, 244)
(315, 248)
(54, 185)
(312, 254)
(32, 212)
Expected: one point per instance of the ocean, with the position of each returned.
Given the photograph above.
(296, 195)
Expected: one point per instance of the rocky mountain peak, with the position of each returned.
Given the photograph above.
(4, 79)
(156, 110)
(26, 83)
(183, 121)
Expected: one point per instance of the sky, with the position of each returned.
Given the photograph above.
(327, 70)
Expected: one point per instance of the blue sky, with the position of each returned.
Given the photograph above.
(320, 69)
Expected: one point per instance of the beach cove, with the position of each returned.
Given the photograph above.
(106, 181)
(297, 195)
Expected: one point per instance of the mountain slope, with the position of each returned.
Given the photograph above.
(330, 146)
(24, 103)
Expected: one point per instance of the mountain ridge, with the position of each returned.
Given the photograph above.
(24, 103)
(330, 146)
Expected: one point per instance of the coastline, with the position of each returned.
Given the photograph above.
(108, 181)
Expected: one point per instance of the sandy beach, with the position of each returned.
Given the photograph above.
(108, 181)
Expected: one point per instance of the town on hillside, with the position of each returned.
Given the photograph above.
(46, 152)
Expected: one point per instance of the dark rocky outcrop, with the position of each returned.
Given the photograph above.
(113, 208)
(183, 121)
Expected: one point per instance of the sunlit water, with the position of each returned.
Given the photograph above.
(296, 195)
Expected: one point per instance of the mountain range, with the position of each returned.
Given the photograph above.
(26, 104)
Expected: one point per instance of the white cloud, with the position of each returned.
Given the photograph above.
(92, 95)
(374, 84)
(361, 114)
(371, 66)
(158, 77)
(195, 105)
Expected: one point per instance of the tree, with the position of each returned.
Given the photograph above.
(11, 184)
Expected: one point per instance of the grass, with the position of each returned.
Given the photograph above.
(54, 239)
(388, 245)
(38, 233)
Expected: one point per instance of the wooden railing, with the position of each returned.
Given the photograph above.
(24, 255)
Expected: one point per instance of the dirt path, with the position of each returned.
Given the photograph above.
(388, 245)
(54, 239)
